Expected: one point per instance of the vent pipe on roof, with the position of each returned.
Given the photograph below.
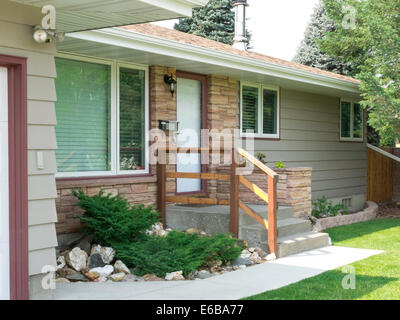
(240, 40)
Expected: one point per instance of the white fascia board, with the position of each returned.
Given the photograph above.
(183, 7)
(157, 45)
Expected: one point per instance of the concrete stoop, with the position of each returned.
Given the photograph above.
(294, 235)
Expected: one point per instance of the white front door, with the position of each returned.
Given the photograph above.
(189, 94)
(4, 209)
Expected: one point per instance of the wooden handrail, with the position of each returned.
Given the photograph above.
(195, 175)
(269, 197)
(257, 163)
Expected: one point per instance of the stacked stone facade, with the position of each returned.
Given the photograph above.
(293, 188)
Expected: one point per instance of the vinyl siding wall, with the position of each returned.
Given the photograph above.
(16, 23)
(310, 138)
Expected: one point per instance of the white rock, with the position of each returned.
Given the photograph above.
(242, 266)
(77, 259)
(107, 253)
(119, 267)
(104, 271)
(251, 250)
(60, 262)
(177, 275)
(245, 254)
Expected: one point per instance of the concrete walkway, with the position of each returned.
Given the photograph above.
(229, 286)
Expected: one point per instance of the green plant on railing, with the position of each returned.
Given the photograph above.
(261, 157)
(280, 165)
(322, 208)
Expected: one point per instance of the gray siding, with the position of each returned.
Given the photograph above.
(41, 121)
(310, 138)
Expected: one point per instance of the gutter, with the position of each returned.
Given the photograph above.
(148, 43)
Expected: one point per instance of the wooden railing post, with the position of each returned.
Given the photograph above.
(272, 217)
(234, 196)
(161, 186)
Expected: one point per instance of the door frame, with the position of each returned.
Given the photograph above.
(203, 121)
(18, 175)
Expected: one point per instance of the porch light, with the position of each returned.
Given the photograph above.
(41, 35)
(171, 82)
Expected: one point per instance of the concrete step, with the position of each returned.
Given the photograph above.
(215, 219)
(286, 227)
(297, 243)
(302, 242)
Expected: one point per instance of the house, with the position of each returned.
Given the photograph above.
(93, 98)
(27, 119)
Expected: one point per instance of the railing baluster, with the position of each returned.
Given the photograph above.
(234, 197)
(161, 186)
(272, 216)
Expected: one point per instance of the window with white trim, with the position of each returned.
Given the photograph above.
(102, 117)
(259, 112)
(351, 121)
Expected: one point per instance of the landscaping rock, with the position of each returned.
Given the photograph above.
(157, 229)
(192, 231)
(132, 278)
(261, 253)
(77, 277)
(255, 258)
(242, 261)
(251, 250)
(245, 254)
(151, 277)
(92, 275)
(193, 275)
(77, 259)
(118, 276)
(95, 261)
(204, 274)
(62, 280)
(60, 262)
(100, 279)
(119, 266)
(86, 243)
(177, 275)
(107, 253)
(66, 271)
(104, 271)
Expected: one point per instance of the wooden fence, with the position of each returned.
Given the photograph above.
(379, 176)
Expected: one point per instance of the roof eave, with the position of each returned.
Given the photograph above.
(154, 44)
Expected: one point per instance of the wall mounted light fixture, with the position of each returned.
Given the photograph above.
(41, 35)
(171, 82)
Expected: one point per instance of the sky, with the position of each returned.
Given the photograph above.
(277, 26)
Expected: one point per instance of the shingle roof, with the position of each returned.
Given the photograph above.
(165, 33)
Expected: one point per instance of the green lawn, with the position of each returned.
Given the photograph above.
(377, 277)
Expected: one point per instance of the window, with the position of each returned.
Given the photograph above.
(259, 111)
(102, 118)
(351, 121)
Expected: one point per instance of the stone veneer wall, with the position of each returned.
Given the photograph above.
(396, 176)
(294, 188)
(138, 190)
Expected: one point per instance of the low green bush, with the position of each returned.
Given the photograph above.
(114, 222)
(322, 208)
(111, 219)
(177, 251)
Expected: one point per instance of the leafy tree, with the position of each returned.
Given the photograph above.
(372, 44)
(310, 54)
(214, 21)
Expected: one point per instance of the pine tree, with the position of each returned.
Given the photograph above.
(214, 21)
(309, 52)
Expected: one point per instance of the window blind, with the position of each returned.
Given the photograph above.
(132, 119)
(249, 109)
(270, 112)
(83, 116)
